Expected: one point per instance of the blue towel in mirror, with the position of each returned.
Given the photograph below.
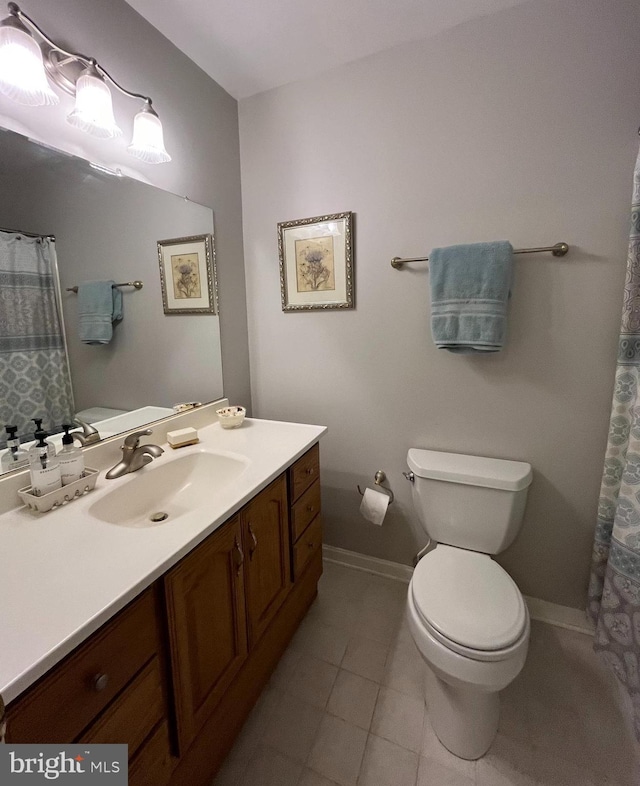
(99, 306)
(470, 287)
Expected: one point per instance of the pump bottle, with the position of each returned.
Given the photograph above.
(70, 458)
(15, 457)
(50, 447)
(45, 469)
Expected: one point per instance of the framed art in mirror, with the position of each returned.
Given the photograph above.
(188, 275)
(316, 263)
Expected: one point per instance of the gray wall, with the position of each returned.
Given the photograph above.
(201, 132)
(522, 125)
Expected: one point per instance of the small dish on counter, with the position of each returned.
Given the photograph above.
(231, 417)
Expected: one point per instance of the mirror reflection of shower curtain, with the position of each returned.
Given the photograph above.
(34, 369)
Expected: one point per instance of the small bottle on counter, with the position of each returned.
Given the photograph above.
(50, 447)
(45, 469)
(70, 458)
(15, 457)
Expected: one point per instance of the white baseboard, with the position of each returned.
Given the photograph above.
(560, 616)
(541, 610)
(379, 567)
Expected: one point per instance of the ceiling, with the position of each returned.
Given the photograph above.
(249, 46)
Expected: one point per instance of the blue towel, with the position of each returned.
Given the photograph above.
(469, 293)
(99, 306)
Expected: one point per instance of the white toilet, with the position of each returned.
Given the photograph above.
(466, 614)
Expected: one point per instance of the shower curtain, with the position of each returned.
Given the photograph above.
(34, 373)
(614, 590)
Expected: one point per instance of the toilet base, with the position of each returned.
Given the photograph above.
(464, 720)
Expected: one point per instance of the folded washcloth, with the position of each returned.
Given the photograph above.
(469, 292)
(99, 306)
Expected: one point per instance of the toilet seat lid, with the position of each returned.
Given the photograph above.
(468, 598)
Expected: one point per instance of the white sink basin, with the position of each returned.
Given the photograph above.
(165, 490)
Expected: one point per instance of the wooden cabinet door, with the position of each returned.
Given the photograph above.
(265, 532)
(207, 626)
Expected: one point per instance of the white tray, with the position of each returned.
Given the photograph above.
(58, 497)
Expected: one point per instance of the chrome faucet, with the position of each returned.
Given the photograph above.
(134, 455)
(89, 433)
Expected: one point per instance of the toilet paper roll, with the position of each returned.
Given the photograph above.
(374, 506)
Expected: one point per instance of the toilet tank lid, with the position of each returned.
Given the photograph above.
(471, 470)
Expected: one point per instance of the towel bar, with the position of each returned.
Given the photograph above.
(135, 284)
(559, 250)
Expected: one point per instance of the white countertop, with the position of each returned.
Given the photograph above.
(63, 574)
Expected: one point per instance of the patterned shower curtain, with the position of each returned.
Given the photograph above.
(34, 373)
(614, 590)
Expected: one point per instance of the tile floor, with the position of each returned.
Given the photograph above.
(345, 707)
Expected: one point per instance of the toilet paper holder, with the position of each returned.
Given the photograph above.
(379, 479)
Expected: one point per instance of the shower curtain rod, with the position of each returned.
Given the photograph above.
(559, 250)
(28, 234)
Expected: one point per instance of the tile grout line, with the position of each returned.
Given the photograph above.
(326, 711)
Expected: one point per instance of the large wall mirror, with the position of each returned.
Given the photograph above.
(106, 227)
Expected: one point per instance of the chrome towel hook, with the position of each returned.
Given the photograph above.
(379, 479)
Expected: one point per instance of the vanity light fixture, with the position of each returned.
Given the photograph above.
(28, 56)
(93, 111)
(147, 143)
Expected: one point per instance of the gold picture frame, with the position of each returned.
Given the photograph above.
(316, 263)
(188, 275)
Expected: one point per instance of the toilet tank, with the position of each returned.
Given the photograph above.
(471, 502)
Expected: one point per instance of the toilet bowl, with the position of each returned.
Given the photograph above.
(466, 615)
(473, 637)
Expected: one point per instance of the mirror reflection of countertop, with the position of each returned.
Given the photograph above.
(109, 427)
(63, 574)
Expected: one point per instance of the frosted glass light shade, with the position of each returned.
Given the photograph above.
(22, 74)
(93, 111)
(148, 139)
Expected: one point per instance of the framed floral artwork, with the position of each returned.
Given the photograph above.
(188, 275)
(316, 263)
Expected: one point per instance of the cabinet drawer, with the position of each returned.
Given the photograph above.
(304, 472)
(154, 763)
(305, 510)
(77, 690)
(134, 714)
(308, 544)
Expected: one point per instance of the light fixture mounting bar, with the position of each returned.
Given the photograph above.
(56, 66)
(31, 60)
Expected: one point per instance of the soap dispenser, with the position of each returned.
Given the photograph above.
(50, 447)
(45, 469)
(15, 457)
(70, 458)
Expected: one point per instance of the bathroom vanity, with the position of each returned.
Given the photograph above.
(172, 664)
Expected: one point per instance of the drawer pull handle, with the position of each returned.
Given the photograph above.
(310, 508)
(310, 545)
(100, 682)
(255, 542)
(310, 471)
(240, 556)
